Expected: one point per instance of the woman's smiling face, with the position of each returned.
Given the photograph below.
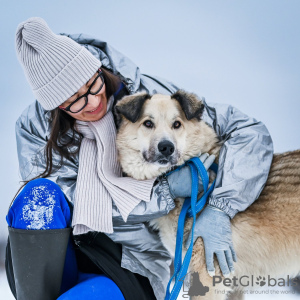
(96, 106)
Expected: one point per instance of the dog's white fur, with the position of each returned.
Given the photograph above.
(266, 236)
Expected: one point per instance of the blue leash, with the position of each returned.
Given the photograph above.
(190, 208)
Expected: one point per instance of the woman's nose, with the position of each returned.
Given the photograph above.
(93, 101)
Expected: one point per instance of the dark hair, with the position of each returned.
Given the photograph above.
(63, 123)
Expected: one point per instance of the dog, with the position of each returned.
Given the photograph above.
(265, 236)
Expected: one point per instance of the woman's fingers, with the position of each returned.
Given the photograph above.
(207, 159)
(229, 258)
(233, 253)
(223, 263)
(203, 157)
(208, 162)
(209, 257)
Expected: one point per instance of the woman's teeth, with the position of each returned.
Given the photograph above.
(97, 109)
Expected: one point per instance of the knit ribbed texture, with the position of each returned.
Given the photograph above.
(55, 66)
(100, 181)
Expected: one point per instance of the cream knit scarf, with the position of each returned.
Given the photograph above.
(100, 181)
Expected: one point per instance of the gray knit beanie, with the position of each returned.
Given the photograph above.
(55, 66)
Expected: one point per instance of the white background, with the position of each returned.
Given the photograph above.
(245, 53)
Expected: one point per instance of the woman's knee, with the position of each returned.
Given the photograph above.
(92, 286)
(40, 205)
(41, 183)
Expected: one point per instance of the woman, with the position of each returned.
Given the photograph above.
(115, 248)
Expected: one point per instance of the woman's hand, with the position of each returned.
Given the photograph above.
(180, 182)
(213, 225)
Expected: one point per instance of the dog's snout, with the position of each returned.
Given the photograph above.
(166, 148)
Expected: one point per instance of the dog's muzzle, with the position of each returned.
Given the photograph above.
(163, 153)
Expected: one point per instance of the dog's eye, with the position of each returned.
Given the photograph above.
(148, 124)
(176, 124)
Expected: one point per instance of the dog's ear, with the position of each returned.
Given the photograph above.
(191, 105)
(131, 106)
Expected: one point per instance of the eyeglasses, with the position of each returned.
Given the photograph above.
(81, 102)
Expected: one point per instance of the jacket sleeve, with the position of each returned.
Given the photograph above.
(245, 157)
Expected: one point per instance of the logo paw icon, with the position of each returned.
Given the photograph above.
(261, 281)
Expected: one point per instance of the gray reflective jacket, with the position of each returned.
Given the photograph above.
(244, 163)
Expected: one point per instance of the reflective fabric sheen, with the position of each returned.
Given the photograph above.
(244, 164)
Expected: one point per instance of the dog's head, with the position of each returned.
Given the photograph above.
(158, 132)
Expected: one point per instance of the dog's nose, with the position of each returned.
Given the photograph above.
(166, 148)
